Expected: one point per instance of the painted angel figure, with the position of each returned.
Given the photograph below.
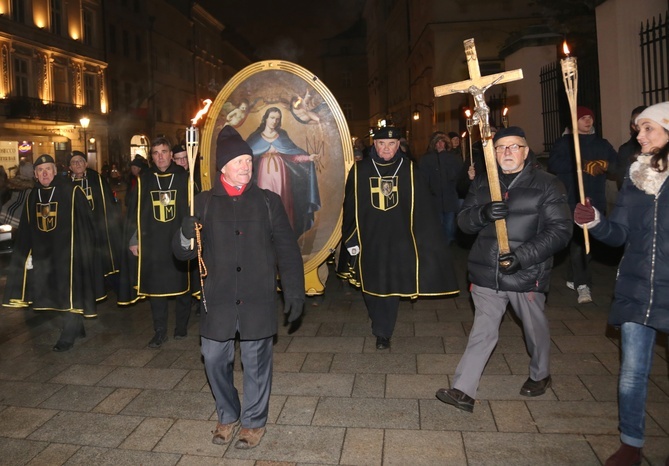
(304, 109)
(237, 115)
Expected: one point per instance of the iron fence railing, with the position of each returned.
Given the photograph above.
(654, 42)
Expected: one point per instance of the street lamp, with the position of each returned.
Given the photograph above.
(85, 121)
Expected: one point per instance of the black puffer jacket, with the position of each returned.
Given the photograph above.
(539, 225)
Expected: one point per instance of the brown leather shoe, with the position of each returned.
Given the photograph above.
(625, 456)
(224, 433)
(249, 438)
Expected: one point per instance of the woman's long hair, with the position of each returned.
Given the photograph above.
(659, 159)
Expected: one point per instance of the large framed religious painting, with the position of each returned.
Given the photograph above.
(301, 147)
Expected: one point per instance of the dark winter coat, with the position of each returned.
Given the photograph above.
(562, 163)
(441, 169)
(539, 224)
(640, 221)
(246, 241)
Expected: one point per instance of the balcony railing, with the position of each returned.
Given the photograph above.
(34, 109)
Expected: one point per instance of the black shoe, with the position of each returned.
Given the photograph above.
(180, 334)
(158, 339)
(454, 397)
(62, 346)
(534, 388)
(382, 343)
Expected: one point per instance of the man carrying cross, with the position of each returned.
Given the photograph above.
(539, 221)
(393, 235)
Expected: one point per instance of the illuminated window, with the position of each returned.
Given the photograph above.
(60, 85)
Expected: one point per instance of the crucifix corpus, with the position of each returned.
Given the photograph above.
(476, 85)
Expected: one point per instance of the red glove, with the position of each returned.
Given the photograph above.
(584, 213)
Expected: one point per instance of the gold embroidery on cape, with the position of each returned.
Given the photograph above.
(383, 192)
(164, 205)
(46, 216)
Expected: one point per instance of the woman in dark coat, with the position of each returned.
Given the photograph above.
(640, 221)
(246, 240)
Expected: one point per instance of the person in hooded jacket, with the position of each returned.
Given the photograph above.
(539, 224)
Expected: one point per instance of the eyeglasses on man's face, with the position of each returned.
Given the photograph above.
(513, 148)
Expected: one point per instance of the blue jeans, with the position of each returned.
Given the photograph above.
(448, 225)
(637, 357)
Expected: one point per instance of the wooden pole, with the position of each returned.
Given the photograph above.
(570, 78)
(192, 143)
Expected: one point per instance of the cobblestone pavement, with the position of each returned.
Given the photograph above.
(335, 398)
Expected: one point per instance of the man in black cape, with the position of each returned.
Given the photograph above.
(392, 232)
(155, 210)
(53, 266)
(106, 212)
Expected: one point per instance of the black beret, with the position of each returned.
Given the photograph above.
(178, 148)
(43, 159)
(229, 145)
(453, 134)
(510, 131)
(387, 132)
(139, 161)
(76, 153)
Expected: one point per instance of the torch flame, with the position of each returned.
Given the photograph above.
(565, 49)
(464, 133)
(506, 110)
(201, 113)
(468, 113)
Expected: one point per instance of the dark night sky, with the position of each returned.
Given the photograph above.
(289, 30)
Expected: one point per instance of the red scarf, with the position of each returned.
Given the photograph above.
(232, 190)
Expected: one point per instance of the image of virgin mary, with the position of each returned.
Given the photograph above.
(286, 169)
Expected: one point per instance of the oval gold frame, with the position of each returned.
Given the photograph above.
(279, 77)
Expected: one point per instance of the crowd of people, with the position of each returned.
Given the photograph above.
(400, 217)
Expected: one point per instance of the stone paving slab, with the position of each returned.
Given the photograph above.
(87, 456)
(93, 429)
(145, 378)
(436, 415)
(512, 416)
(27, 394)
(374, 363)
(575, 417)
(362, 447)
(296, 444)
(312, 384)
(325, 345)
(367, 413)
(54, 454)
(17, 422)
(147, 435)
(520, 449)
(174, 404)
(572, 364)
(77, 398)
(298, 410)
(584, 343)
(413, 386)
(79, 374)
(17, 369)
(423, 447)
(20, 451)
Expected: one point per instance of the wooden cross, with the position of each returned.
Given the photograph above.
(476, 85)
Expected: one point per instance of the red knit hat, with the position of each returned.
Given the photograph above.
(584, 111)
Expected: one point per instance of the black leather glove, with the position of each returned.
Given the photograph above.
(293, 308)
(509, 263)
(496, 210)
(188, 226)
